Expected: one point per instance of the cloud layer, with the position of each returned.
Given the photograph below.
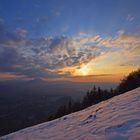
(59, 56)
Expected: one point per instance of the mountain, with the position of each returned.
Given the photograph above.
(25, 103)
(37, 86)
(115, 119)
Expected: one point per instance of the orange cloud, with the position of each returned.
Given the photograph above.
(10, 76)
(122, 40)
(89, 78)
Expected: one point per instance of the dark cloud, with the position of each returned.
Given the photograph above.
(38, 57)
(55, 53)
(10, 39)
(8, 57)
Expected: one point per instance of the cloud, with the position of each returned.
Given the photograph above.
(54, 53)
(57, 57)
(65, 28)
(21, 32)
(43, 19)
(9, 76)
(37, 57)
(57, 13)
(129, 18)
(1, 20)
(129, 64)
(90, 78)
(121, 40)
(11, 39)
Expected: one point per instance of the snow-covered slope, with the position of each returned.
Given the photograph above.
(114, 119)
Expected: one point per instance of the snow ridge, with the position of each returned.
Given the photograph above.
(115, 119)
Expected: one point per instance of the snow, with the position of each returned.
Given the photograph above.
(115, 119)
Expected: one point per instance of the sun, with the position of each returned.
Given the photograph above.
(84, 71)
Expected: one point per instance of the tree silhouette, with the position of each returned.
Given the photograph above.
(130, 82)
(96, 95)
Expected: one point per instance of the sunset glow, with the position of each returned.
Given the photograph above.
(60, 56)
(53, 42)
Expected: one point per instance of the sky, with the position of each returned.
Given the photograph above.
(69, 40)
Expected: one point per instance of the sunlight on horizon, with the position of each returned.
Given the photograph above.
(51, 42)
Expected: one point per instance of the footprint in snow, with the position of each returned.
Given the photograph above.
(123, 127)
(89, 119)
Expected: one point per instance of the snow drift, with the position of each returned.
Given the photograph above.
(115, 119)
